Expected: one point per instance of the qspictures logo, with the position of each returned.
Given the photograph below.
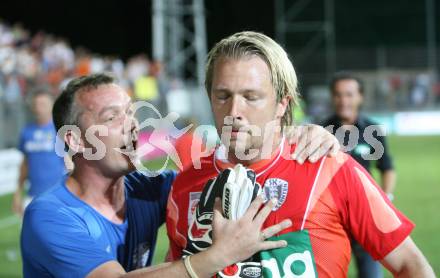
(164, 133)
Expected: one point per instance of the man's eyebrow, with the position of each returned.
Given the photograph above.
(116, 107)
(250, 91)
(221, 89)
(112, 107)
(244, 91)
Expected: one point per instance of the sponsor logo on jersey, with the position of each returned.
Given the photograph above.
(242, 270)
(275, 188)
(295, 260)
(251, 271)
(294, 265)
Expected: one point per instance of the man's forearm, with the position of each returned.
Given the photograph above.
(20, 186)
(204, 264)
(388, 181)
(233, 241)
(420, 268)
(21, 178)
(406, 260)
(22, 175)
(174, 269)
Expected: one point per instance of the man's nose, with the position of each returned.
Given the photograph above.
(235, 108)
(135, 127)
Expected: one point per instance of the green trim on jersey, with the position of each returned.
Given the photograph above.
(294, 260)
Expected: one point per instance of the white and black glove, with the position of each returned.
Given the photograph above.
(237, 188)
(239, 191)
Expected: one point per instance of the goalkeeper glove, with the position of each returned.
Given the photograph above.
(237, 188)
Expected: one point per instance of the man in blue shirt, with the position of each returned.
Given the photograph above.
(41, 166)
(81, 238)
(103, 220)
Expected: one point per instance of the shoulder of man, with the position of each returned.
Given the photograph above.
(330, 120)
(51, 208)
(192, 177)
(330, 169)
(27, 129)
(364, 208)
(56, 237)
(365, 120)
(342, 173)
(49, 199)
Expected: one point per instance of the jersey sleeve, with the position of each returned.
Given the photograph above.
(367, 213)
(52, 242)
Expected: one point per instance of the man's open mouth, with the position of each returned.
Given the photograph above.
(236, 131)
(130, 147)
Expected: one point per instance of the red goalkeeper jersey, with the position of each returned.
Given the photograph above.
(328, 202)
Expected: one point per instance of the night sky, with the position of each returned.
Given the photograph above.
(123, 27)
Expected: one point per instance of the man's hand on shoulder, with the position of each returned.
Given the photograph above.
(312, 142)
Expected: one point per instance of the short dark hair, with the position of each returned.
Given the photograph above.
(41, 91)
(64, 111)
(346, 75)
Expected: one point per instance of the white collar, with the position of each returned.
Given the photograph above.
(220, 154)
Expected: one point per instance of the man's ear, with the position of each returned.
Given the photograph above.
(74, 140)
(282, 106)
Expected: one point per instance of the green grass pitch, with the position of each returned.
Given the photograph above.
(417, 161)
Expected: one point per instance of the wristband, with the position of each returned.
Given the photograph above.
(188, 267)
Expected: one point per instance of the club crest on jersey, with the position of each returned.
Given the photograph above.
(275, 188)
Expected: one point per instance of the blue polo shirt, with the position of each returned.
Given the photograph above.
(45, 167)
(62, 236)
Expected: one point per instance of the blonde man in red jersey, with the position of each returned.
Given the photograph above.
(252, 85)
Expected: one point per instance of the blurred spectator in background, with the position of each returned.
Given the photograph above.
(163, 83)
(347, 96)
(420, 90)
(298, 112)
(436, 89)
(12, 109)
(41, 166)
(29, 60)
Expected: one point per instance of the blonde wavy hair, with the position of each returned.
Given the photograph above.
(248, 43)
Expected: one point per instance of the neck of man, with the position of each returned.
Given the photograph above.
(262, 153)
(105, 194)
(349, 120)
(43, 121)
